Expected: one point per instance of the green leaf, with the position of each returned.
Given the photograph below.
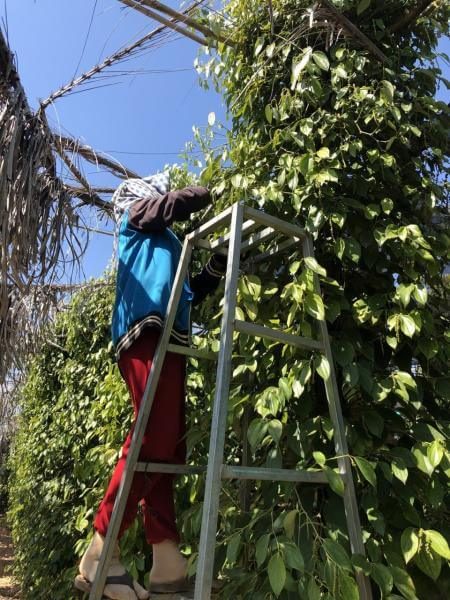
(314, 266)
(429, 562)
(362, 6)
(261, 548)
(399, 469)
(423, 463)
(259, 45)
(285, 387)
(289, 523)
(323, 152)
(420, 295)
(314, 306)
(254, 285)
(313, 590)
(403, 583)
(297, 67)
(322, 366)
(367, 470)
(321, 60)
(275, 430)
(403, 293)
(320, 458)
(438, 542)
(407, 325)
(236, 180)
(387, 205)
(435, 453)
(293, 556)
(337, 554)
(233, 548)
(277, 573)
(409, 543)
(348, 590)
(383, 578)
(374, 422)
(406, 379)
(335, 481)
(256, 432)
(387, 91)
(343, 352)
(269, 113)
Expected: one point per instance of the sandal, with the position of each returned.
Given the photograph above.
(82, 584)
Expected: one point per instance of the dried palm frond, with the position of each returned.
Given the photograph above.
(37, 220)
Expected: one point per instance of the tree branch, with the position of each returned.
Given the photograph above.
(411, 16)
(354, 31)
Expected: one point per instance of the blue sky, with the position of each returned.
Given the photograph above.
(144, 120)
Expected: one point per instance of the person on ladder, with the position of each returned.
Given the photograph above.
(148, 255)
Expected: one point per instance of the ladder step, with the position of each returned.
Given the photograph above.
(277, 249)
(278, 336)
(223, 240)
(238, 472)
(266, 474)
(152, 467)
(210, 226)
(258, 238)
(281, 226)
(188, 351)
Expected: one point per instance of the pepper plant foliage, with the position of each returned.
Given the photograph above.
(74, 416)
(353, 150)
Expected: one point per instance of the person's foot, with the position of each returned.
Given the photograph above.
(169, 564)
(114, 590)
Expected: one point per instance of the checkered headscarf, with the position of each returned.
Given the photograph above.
(131, 190)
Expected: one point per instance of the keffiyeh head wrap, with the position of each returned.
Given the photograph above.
(131, 190)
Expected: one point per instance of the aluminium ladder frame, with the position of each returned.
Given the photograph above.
(216, 470)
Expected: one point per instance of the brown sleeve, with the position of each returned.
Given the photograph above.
(155, 215)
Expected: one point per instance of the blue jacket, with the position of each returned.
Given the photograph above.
(148, 256)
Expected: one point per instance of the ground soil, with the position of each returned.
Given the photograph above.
(8, 588)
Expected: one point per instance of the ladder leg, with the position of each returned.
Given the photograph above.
(141, 423)
(219, 418)
(344, 464)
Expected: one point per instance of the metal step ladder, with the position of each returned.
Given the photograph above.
(249, 229)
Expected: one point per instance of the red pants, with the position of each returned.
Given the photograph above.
(163, 442)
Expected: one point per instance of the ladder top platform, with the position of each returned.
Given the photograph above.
(258, 228)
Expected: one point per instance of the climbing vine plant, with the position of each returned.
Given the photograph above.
(351, 146)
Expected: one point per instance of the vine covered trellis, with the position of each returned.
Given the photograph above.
(334, 125)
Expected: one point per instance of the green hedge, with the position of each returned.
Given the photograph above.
(74, 416)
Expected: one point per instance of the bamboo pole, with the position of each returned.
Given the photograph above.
(185, 19)
(166, 22)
